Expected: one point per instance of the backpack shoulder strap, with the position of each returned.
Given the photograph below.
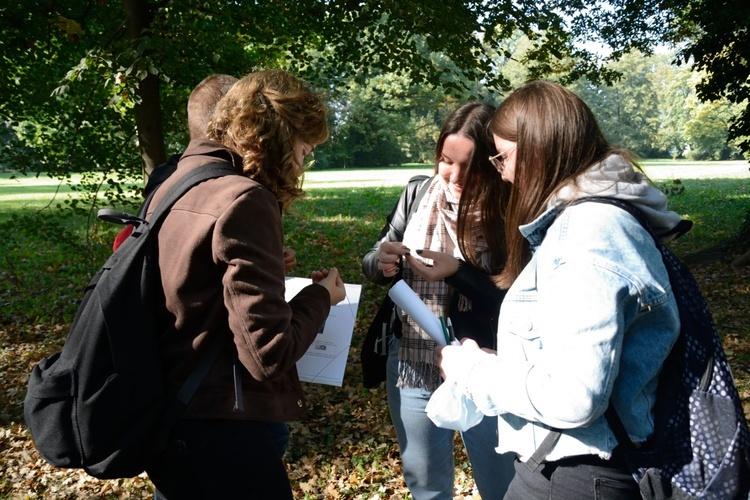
(624, 205)
(183, 185)
(424, 184)
(613, 419)
(681, 228)
(188, 181)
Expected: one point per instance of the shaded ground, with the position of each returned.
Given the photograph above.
(344, 448)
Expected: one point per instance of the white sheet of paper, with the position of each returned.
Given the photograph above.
(325, 360)
(404, 297)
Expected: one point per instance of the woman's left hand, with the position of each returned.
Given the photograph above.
(443, 265)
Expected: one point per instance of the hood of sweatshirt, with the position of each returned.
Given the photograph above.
(615, 177)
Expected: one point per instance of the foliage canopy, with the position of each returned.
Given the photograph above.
(101, 86)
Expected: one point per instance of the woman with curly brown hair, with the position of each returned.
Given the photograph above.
(221, 258)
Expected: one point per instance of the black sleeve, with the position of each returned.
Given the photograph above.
(477, 287)
(479, 322)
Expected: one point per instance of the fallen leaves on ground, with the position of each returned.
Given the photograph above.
(344, 448)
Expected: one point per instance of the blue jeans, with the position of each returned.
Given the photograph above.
(427, 450)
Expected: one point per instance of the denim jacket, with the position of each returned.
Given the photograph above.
(589, 321)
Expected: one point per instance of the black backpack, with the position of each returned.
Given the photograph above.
(700, 447)
(101, 404)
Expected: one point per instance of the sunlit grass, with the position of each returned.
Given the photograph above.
(29, 192)
(688, 163)
(717, 208)
(46, 251)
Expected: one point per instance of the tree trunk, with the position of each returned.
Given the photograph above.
(148, 119)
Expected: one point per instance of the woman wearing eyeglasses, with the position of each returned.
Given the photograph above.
(446, 251)
(589, 316)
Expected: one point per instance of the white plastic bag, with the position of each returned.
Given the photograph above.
(449, 408)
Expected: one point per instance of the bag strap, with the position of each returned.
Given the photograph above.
(184, 184)
(533, 463)
(544, 449)
(613, 418)
(194, 380)
(423, 187)
(624, 205)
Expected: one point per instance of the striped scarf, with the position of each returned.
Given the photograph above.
(433, 227)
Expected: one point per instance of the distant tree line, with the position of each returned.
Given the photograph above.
(99, 88)
(651, 109)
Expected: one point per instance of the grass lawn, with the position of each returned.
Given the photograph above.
(29, 192)
(345, 446)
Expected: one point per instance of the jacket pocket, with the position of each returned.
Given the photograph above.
(49, 411)
(524, 338)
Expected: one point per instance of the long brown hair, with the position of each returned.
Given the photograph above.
(557, 138)
(483, 188)
(261, 117)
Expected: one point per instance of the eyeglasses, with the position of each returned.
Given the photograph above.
(498, 161)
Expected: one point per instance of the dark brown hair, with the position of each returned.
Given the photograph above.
(483, 188)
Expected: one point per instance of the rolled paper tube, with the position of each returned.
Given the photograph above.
(404, 297)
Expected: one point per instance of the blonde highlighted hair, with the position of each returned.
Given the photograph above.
(261, 118)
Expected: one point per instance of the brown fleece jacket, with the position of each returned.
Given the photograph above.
(221, 263)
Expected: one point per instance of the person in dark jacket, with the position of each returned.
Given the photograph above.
(200, 108)
(222, 270)
(446, 246)
(201, 104)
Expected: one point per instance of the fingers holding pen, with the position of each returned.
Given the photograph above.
(389, 257)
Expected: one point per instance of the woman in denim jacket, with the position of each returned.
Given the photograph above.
(589, 317)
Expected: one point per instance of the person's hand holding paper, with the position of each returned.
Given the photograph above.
(404, 297)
